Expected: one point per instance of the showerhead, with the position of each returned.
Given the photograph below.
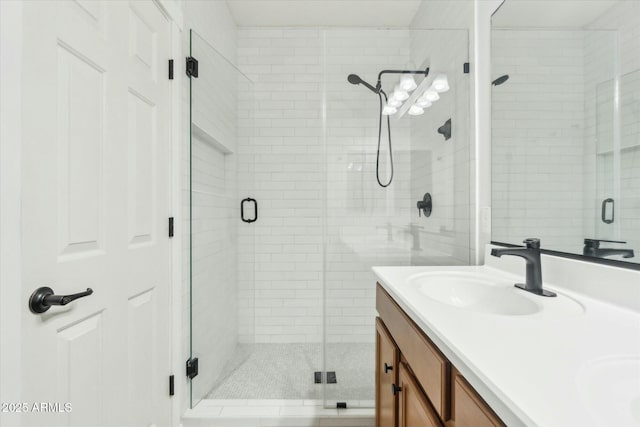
(356, 80)
(499, 80)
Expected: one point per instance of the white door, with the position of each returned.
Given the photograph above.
(95, 186)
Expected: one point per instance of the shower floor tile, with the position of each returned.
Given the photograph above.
(286, 371)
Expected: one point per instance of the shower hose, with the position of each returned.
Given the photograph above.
(380, 93)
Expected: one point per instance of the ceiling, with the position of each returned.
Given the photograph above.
(306, 13)
(550, 13)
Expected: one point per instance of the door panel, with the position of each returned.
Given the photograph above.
(386, 356)
(414, 409)
(96, 143)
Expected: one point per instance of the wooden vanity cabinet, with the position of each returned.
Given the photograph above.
(468, 408)
(414, 408)
(387, 359)
(421, 388)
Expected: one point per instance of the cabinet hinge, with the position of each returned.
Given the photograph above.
(465, 68)
(192, 67)
(192, 367)
(170, 226)
(172, 390)
(171, 69)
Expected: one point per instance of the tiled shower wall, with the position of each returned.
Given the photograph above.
(284, 65)
(438, 166)
(366, 224)
(292, 70)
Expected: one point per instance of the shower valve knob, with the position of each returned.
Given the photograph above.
(425, 205)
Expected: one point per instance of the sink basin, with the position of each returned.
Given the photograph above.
(475, 293)
(611, 389)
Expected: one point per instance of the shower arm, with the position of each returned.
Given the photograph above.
(379, 84)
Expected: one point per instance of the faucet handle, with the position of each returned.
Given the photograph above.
(532, 243)
(595, 243)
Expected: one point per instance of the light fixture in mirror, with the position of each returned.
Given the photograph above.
(566, 128)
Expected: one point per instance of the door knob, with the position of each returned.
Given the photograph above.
(387, 368)
(43, 298)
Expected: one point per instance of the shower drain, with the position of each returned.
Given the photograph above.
(331, 377)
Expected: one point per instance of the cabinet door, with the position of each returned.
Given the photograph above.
(386, 374)
(469, 410)
(414, 409)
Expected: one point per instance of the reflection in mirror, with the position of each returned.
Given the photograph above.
(566, 127)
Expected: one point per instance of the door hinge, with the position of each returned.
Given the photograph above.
(172, 390)
(170, 226)
(192, 367)
(465, 68)
(171, 69)
(192, 67)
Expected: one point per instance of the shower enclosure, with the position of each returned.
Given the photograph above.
(283, 307)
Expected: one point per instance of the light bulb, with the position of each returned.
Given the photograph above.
(416, 110)
(440, 83)
(407, 82)
(431, 95)
(400, 94)
(389, 111)
(423, 102)
(394, 102)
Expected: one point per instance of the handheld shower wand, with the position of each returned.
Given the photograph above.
(355, 79)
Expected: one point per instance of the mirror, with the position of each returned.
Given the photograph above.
(566, 127)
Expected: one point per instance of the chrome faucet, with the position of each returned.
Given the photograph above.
(531, 254)
(592, 248)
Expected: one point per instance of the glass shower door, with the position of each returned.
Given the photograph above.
(367, 225)
(222, 213)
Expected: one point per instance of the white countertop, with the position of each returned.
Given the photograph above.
(534, 370)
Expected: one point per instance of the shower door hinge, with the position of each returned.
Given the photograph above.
(172, 390)
(171, 69)
(192, 67)
(170, 226)
(192, 367)
(465, 68)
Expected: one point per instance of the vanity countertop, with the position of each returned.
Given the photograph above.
(550, 368)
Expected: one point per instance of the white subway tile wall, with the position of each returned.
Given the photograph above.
(284, 65)
(293, 69)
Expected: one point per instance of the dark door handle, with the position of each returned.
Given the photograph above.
(605, 202)
(255, 210)
(387, 368)
(43, 298)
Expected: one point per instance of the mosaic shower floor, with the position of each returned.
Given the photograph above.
(286, 371)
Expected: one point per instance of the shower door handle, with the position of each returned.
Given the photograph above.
(255, 210)
(604, 215)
